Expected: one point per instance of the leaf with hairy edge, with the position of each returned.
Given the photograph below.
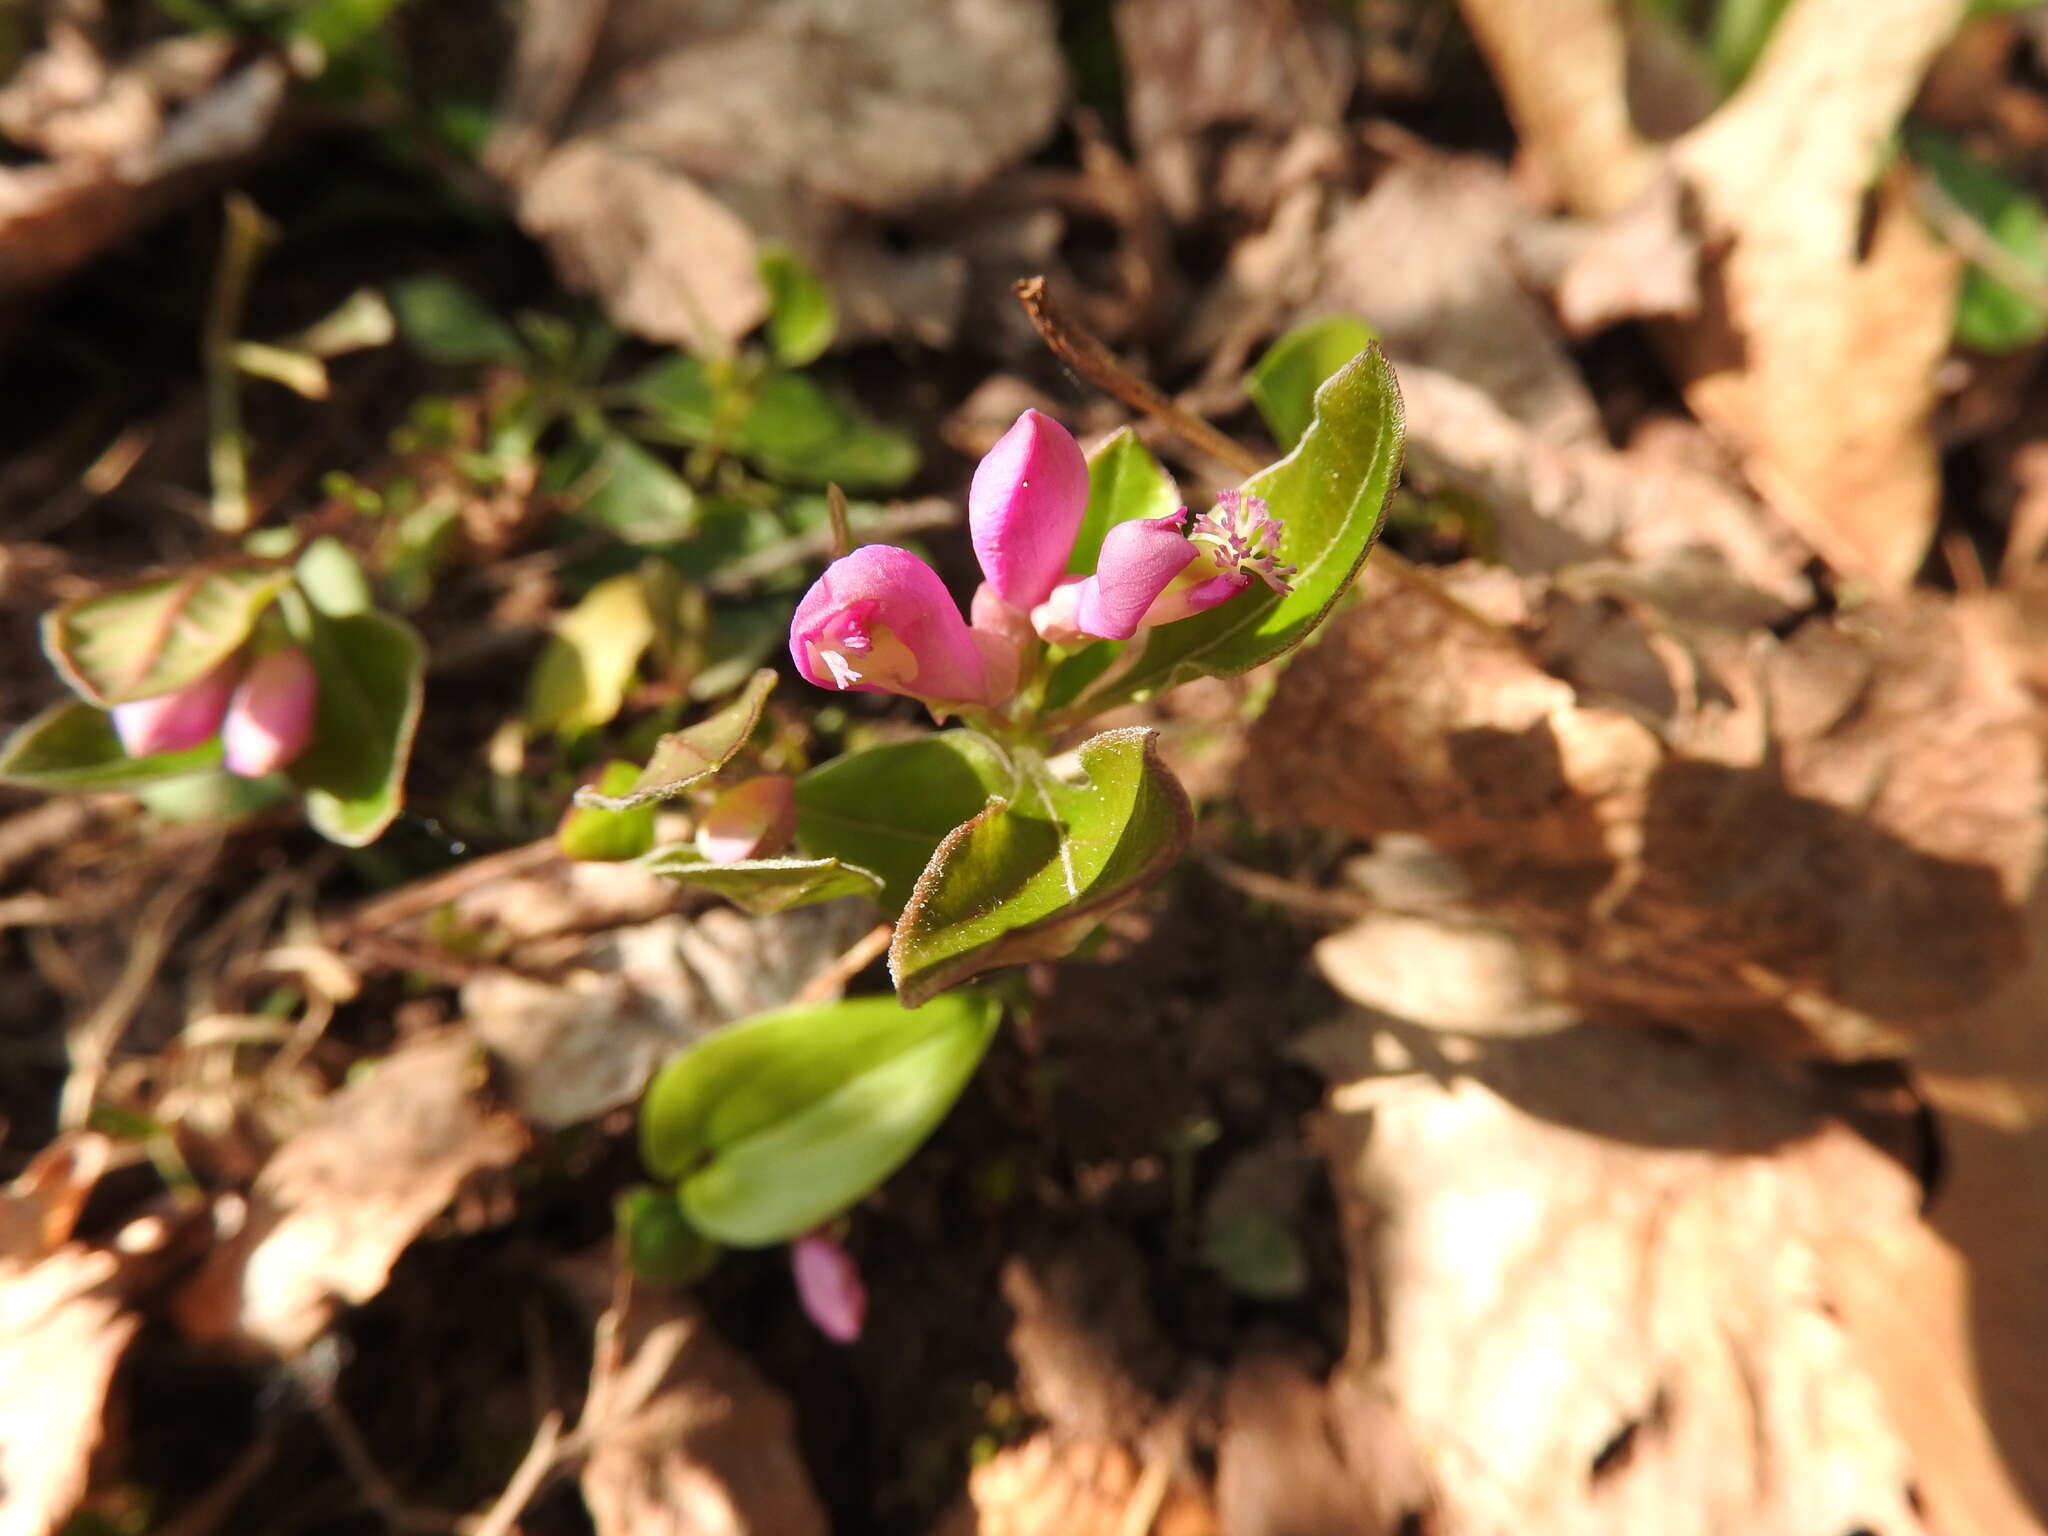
(764, 886)
(888, 808)
(683, 757)
(1283, 383)
(72, 747)
(779, 1123)
(1331, 493)
(372, 671)
(1009, 885)
(154, 638)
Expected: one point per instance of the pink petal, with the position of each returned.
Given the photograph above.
(173, 722)
(1184, 602)
(1139, 560)
(829, 1286)
(880, 621)
(754, 820)
(1025, 506)
(270, 718)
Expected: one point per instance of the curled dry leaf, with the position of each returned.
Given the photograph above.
(652, 143)
(340, 1200)
(119, 142)
(1816, 345)
(587, 1039)
(63, 1329)
(1818, 845)
(686, 1437)
(1595, 1268)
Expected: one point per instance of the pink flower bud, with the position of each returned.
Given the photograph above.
(880, 621)
(173, 722)
(828, 1285)
(754, 820)
(270, 717)
(1025, 507)
(1139, 560)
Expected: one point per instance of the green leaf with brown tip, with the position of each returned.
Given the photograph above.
(683, 757)
(142, 641)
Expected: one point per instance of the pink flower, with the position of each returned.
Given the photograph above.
(753, 820)
(173, 722)
(1025, 507)
(1138, 560)
(270, 718)
(880, 621)
(828, 1285)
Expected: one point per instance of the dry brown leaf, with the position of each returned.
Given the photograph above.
(1590, 1280)
(1820, 845)
(1988, 1078)
(1298, 1459)
(1701, 544)
(1191, 67)
(120, 142)
(1423, 259)
(340, 1200)
(587, 1038)
(1053, 1487)
(1815, 349)
(652, 143)
(63, 1329)
(1642, 263)
(687, 1438)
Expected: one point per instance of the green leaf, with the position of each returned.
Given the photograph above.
(1124, 481)
(679, 393)
(372, 669)
(445, 323)
(1284, 382)
(800, 435)
(1331, 493)
(589, 662)
(764, 886)
(887, 809)
(612, 481)
(790, 427)
(1256, 1253)
(72, 746)
(1014, 883)
(1736, 35)
(154, 638)
(660, 1246)
(776, 1125)
(801, 317)
(596, 835)
(1989, 315)
(683, 757)
(332, 578)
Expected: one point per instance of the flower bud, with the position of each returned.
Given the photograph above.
(828, 1285)
(174, 722)
(1025, 507)
(270, 718)
(880, 621)
(754, 820)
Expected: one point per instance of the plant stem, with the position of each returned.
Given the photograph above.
(245, 234)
